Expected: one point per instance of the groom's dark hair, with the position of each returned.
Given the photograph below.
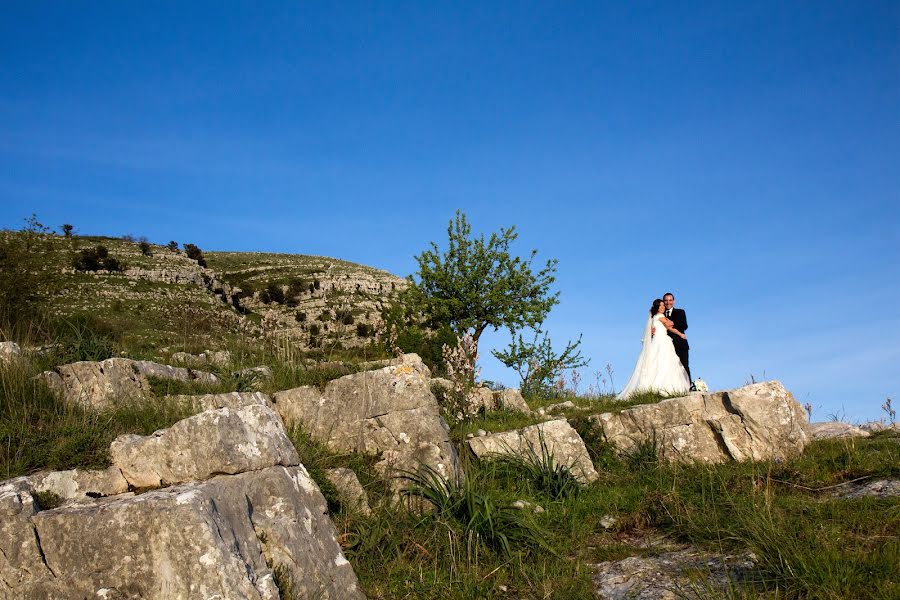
(669, 294)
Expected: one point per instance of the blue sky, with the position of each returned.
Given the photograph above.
(742, 155)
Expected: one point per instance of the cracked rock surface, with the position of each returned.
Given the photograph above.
(389, 411)
(98, 384)
(760, 422)
(214, 442)
(221, 538)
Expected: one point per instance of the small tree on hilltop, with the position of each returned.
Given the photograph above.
(477, 283)
(537, 364)
(172, 246)
(67, 229)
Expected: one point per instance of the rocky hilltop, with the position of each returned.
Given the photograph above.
(163, 298)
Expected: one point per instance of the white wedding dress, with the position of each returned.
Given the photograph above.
(658, 368)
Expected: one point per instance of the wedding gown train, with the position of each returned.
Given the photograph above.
(658, 368)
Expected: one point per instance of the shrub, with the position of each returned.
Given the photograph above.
(194, 253)
(296, 287)
(272, 293)
(96, 259)
(145, 247)
(172, 246)
(364, 330)
(300, 317)
(67, 229)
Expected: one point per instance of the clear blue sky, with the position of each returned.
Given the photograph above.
(744, 155)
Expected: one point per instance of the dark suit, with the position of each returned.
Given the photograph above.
(679, 322)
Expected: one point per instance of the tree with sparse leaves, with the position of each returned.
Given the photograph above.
(477, 283)
(537, 364)
(67, 229)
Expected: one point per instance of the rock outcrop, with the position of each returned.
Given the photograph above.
(389, 411)
(228, 537)
(759, 422)
(561, 441)
(214, 442)
(835, 430)
(98, 384)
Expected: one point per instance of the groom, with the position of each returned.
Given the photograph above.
(679, 320)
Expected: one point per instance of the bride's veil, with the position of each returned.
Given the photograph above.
(645, 340)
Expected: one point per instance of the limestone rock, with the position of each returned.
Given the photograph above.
(21, 560)
(567, 405)
(221, 538)
(79, 485)
(511, 399)
(351, 492)
(479, 398)
(410, 359)
(389, 411)
(98, 384)
(234, 400)
(9, 351)
(670, 576)
(483, 398)
(562, 441)
(881, 488)
(216, 358)
(875, 426)
(835, 429)
(257, 376)
(218, 441)
(760, 421)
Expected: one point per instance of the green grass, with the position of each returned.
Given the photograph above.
(40, 431)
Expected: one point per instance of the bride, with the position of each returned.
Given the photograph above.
(658, 368)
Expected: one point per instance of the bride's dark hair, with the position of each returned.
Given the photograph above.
(655, 308)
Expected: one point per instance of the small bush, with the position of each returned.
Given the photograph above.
(144, 245)
(272, 293)
(194, 253)
(300, 317)
(97, 259)
(364, 330)
(172, 246)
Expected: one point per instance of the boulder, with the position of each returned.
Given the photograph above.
(21, 559)
(80, 485)
(511, 399)
(98, 384)
(228, 537)
(835, 430)
(9, 351)
(389, 411)
(217, 441)
(351, 492)
(483, 398)
(761, 421)
(562, 443)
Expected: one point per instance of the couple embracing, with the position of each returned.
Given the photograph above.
(662, 365)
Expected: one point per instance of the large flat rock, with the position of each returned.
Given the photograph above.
(222, 538)
(389, 411)
(755, 422)
(218, 441)
(561, 441)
